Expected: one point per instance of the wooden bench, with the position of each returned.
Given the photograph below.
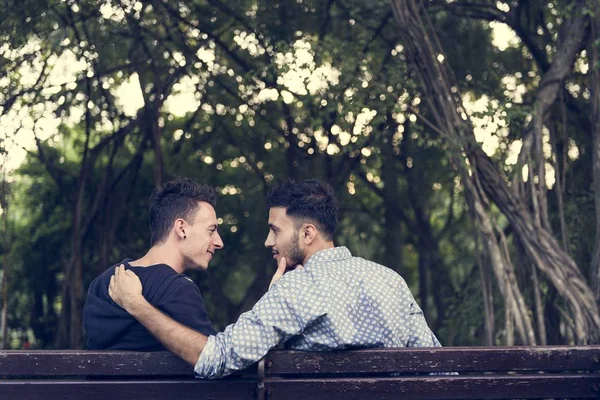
(484, 373)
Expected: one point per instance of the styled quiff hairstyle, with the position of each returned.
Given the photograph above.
(310, 200)
(176, 199)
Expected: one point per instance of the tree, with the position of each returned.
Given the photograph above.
(240, 95)
(539, 243)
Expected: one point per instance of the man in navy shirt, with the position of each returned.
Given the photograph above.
(184, 236)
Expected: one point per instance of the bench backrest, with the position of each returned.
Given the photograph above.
(496, 372)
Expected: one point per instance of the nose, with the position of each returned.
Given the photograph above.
(218, 242)
(269, 242)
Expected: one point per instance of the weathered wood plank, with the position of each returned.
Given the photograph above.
(413, 360)
(434, 388)
(89, 363)
(127, 390)
(49, 363)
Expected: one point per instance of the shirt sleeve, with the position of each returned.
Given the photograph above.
(184, 304)
(416, 331)
(284, 311)
(419, 333)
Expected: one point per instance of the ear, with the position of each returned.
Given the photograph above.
(179, 227)
(308, 233)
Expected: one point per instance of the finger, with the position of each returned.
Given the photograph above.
(132, 275)
(280, 271)
(282, 263)
(281, 267)
(112, 282)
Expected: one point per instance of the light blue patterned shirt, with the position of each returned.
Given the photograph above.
(336, 301)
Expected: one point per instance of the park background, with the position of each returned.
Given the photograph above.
(462, 136)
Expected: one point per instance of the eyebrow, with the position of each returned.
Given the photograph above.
(213, 226)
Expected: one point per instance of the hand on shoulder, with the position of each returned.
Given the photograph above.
(125, 287)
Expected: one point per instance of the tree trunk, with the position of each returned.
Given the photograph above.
(5, 277)
(594, 72)
(539, 307)
(3, 316)
(424, 284)
(5, 245)
(393, 239)
(572, 36)
(514, 303)
(71, 326)
(558, 188)
(570, 40)
(545, 251)
(437, 275)
(422, 50)
(486, 292)
(158, 157)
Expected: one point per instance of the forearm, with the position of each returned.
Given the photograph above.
(271, 321)
(238, 346)
(178, 339)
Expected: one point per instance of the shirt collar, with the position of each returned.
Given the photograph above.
(335, 254)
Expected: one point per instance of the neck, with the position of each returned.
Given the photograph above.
(161, 254)
(316, 248)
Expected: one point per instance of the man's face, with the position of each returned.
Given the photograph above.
(202, 238)
(283, 237)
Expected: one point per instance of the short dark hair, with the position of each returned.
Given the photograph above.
(312, 200)
(175, 199)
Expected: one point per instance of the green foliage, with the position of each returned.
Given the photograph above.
(241, 141)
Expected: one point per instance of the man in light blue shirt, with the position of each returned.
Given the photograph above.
(335, 301)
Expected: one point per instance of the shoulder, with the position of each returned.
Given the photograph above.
(158, 272)
(103, 279)
(183, 282)
(371, 267)
(180, 286)
(160, 282)
(297, 287)
(298, 278)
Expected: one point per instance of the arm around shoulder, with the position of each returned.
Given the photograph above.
(126, 290)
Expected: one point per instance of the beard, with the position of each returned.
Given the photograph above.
(293, 253)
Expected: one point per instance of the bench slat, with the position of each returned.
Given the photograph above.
(433, 388)
(127, 390)
(90, 363)
(49, 363)
(458, 359)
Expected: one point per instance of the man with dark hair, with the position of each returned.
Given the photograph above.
(335, 301)
(307, 202)
(184, 236)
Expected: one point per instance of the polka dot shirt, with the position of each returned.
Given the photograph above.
(336, 301)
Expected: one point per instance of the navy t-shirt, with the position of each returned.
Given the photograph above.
(108, 326)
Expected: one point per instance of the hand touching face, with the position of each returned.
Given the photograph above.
(281, 269)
